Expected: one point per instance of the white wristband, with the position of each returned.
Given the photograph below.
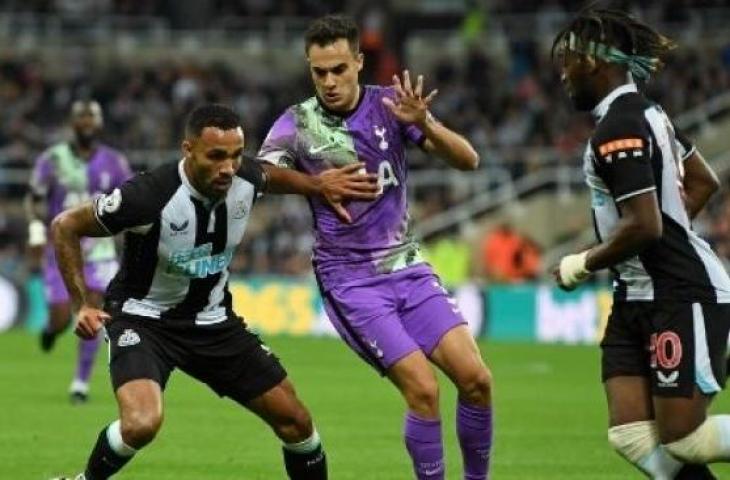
(36, 233)
(573, 269)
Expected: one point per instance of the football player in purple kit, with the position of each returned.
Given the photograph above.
(383, 299)
(65, 175)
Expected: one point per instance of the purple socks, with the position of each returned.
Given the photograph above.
(85, 361)
(474, 429)
(423, 441)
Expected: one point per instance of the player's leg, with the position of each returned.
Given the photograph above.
(140, 418)
(140, 364)
(59, 316)
(87, 349)
(690, 350)
(364, 314)
(304, 457)
(236, 364)
(432, 318)
(415, 379)
(625, 370)
(458, 356)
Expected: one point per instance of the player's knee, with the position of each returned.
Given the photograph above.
(140, 427)
(476, 387)
(633, 440)
(295, 426)
(709, 442)
(423, 396)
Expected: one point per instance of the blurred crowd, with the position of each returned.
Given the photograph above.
(511, 108)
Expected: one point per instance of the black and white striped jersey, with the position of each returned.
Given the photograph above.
(177, 243)
(635, 149)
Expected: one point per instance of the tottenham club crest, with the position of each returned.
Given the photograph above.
(109, 203)
(380, 133)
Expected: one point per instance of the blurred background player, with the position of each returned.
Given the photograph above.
(663, 353)
(380, 295)
(65, 175)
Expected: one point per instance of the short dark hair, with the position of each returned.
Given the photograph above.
(330, 28)
(211, 115)
(617, 29)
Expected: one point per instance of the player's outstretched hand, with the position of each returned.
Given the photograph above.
(409, 106)
(89, 320)
(347, 183)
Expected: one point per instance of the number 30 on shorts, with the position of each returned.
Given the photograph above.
(666, 350)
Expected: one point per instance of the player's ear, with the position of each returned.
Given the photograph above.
(360, 60)
(187, 148)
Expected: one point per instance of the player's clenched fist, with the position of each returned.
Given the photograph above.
(89, 321)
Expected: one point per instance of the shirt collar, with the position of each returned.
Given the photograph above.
(193, 192)
(600, 110)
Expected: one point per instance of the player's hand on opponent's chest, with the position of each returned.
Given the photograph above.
(409, 106)
(89, 320)
(351, 182)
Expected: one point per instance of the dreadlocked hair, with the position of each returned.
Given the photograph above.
(616, 29)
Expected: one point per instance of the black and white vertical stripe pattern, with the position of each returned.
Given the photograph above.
(681, 266)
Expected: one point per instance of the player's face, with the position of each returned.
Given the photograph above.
(214, 158)
(86, 122)
(335, 69)
(579, 76)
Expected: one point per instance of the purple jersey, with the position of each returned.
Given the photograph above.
(64, 180)
(311, 139)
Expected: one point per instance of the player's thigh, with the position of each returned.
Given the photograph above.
(365, 316)
(427, 310)
(677, 417)
(458, 356)
(59, 315)
(415, 378)
(138, 351)
(628, 399)
(233, 362)
(689, 346)
(140, 405)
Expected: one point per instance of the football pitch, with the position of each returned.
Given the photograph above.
(550, 420)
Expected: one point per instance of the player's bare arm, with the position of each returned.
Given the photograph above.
(699, 183)
(411, 107)
(66, 230)
(335, 185)
(639, 227)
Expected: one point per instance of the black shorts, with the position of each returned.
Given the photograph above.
(227, 357)
(675, 345)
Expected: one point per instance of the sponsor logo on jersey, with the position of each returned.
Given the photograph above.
(198, 262)
(128, 338)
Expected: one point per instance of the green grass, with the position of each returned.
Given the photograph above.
(550, 419)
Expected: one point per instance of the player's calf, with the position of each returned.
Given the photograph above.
(638, 442)
(710, 442)
(109, 455)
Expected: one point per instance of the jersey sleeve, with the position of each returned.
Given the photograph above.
(685, 147)
(42, 176)
(253, 173)
(133, 204)
(622, 148)
(279, 146)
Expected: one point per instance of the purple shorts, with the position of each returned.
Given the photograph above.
(97, 276)
(385, 317)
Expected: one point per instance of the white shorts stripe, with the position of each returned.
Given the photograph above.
(704, 377)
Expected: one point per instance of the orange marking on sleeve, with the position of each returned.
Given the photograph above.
(620, 144)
